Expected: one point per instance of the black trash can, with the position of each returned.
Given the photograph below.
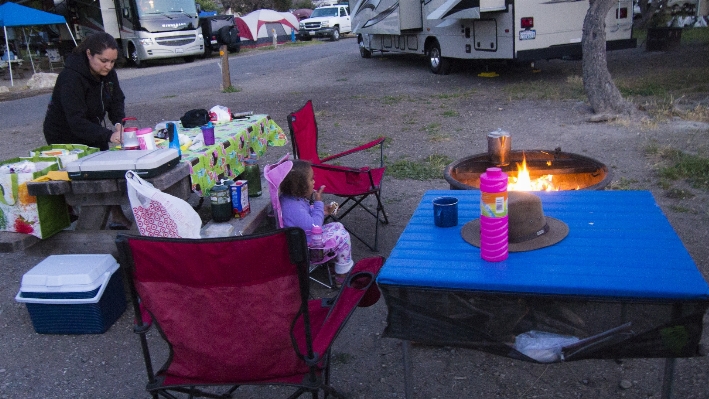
(663, 39)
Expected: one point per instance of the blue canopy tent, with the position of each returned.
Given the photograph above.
(15, 15)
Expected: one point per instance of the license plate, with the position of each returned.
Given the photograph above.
(312, 33)
(214, 42)
(179, 50)
(527, 34)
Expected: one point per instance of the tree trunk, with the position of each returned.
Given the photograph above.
(597, 82)
(226, 74)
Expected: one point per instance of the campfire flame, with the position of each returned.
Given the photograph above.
(524, 183)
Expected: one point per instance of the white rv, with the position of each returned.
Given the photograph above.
(144, 29)
(520, 30)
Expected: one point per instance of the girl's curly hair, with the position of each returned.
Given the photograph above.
(295, 184)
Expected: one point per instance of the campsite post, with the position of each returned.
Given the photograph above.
(226, 76)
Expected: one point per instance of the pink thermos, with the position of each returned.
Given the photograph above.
(493, 215)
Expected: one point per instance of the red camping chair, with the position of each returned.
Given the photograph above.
(353, 184)
(235, 311)
(274, 175)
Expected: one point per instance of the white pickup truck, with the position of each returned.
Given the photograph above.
(326, 21)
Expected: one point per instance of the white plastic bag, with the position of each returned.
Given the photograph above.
(543, 346)
(223, 114)
(158, 214)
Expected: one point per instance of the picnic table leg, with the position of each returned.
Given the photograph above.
(92, 217)
(408, 375)
(668, 378)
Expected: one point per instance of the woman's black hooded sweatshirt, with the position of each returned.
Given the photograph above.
(79, 103)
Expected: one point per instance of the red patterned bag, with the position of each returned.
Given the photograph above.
(159, 214)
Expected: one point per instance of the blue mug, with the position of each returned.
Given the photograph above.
(445, 211)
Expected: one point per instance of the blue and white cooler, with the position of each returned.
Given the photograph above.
(73, 294)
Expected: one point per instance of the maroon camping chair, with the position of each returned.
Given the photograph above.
(355, 185)
(235, 311)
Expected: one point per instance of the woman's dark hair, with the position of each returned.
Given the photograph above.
(96, 43)
(295, 184)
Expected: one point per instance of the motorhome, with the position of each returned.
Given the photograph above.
(145, 29)
(519, 30)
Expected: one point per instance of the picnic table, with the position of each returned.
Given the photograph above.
(5, 65)
(200, 168)
(621, 282)
(234, 141)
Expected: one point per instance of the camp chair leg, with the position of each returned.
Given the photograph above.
(668, 378)
(329, 275)
(380, 209)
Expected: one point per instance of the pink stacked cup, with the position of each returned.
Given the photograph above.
(493, 215)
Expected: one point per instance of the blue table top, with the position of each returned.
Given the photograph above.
(620, 244)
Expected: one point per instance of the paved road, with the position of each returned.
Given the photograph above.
(152, 83)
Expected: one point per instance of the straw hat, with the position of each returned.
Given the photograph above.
(528, 228)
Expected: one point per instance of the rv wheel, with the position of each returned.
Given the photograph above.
(335, 35)
(439, 65)
(133, 55)
(363, 51)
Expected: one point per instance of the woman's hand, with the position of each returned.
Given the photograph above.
(117, 135)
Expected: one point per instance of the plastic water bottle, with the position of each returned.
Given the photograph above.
(252, 174)
(174, 137)
(316, 244)
(493, 215)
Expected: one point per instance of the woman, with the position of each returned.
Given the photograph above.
(87, 89)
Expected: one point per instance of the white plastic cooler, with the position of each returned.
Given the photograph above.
(115, 164)
(73, 294)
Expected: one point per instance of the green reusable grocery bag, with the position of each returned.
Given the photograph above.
(41, 216)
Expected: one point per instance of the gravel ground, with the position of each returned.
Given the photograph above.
(422, 114)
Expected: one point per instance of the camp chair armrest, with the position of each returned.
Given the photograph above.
(363, 147)
(338, 168)
(361, 277)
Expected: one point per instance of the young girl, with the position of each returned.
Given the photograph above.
(295, 192)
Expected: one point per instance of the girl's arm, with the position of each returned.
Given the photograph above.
(299, 213)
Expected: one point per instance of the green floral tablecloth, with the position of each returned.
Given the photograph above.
(233, 141)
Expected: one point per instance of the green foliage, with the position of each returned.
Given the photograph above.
(695, 35)
(231, 89)
(693, 168)
(303, 4)
(281, 5)
(208, 5)
(429, 168)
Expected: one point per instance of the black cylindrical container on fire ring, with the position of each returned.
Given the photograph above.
(221, 203)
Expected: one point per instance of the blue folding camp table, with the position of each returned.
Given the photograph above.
(621, 282)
